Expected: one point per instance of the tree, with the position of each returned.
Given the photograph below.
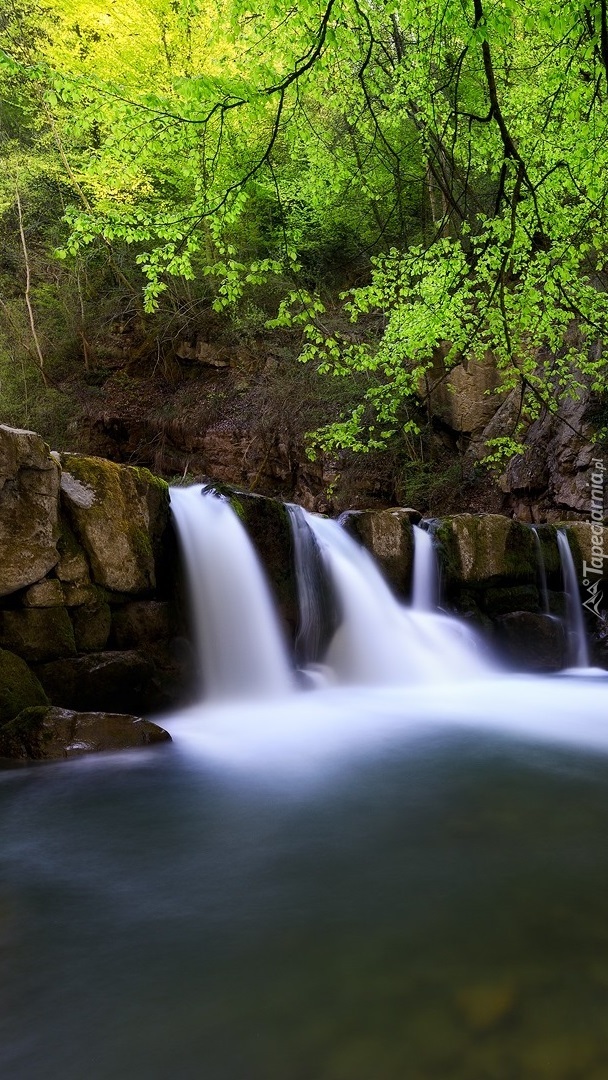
(462, 145)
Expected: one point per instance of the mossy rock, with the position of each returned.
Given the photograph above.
(388, 535)
(500, 600)
(585, 545)
(29, 505)
(479, 549)
(19, 687)
(46, 733)
(119, 515)
(38, 634)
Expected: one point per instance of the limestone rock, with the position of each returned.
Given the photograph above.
(46, 733)
(118, 514)
(29, 488)
(112, 681)
(19, 687)
(465, 398)
(388, 535)
(481, 548)
(37, 634)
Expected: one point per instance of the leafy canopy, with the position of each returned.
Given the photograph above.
(457, 150)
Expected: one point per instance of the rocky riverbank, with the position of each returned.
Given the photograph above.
(92, 616)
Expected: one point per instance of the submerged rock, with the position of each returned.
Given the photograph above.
(47, 733)
(29, 489)
(19, 687)
(118, 514)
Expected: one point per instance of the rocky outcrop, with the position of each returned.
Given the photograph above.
(551, 480)
(47, 734)
(118, 514)
(29, 485)
(87, 577)
(465, 397)
(388, 535)
(482, 548)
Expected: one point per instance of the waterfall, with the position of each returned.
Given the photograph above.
(241, 648)
(575, 623)
(542, 573)
(378, 640)
(316, 617)
(425, 577)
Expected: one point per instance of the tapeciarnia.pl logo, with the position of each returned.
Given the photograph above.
(593, 571)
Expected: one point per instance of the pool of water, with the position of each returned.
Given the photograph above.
(434, 905)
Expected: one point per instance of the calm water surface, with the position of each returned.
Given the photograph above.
(435, 908)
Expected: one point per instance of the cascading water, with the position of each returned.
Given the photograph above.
(379, 640)
(314, 603)
(241, 649)
(425, 578)
(542, 572)
(575, 623)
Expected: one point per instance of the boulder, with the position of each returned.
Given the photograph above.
(29, 488)
(37, 634)
(47, 593)
(112, 681)
(19, 687)
(118, 514)
(465, 398)
(46, 733)
(480, 549)
(388, 536)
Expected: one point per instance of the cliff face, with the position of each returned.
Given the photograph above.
(240, 414)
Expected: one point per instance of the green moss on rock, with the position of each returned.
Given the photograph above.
(19, 687)
(37, 634)
(119, 514)
(482, 548)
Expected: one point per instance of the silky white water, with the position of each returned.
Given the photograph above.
(387, 672)
(575, 625)
(241, 650)
(425, 578)
(379, 640)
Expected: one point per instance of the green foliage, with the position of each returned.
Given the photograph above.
(447, 162)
